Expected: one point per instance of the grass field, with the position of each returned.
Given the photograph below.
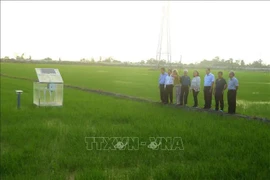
(49, 143)
(253, 97)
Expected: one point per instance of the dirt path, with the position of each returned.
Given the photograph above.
(146, 100)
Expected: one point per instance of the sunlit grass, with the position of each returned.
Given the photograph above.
(143, 82)
(49, 143)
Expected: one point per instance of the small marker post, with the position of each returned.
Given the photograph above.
(19, 92)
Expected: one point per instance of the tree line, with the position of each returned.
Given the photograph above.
(215, 62)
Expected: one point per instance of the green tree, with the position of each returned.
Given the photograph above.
(22, 56)
(151, 61)
(237, 62)
(242, 63)
(108, 60)
(231, 63)
(257, 64)
(216, 59)
(47, 59)
(116, 61)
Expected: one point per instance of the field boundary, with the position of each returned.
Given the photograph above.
(118, 95)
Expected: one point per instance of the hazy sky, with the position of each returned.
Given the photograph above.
(129, 30)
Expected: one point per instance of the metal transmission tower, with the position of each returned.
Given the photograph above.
(164, 41)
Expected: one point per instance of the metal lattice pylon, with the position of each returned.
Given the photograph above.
(164, 41)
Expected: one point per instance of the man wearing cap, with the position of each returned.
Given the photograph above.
(185, 81)
(209, 80)
(161, 82)
(231, 95)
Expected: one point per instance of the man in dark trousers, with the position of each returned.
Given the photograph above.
(161, 81)
(209, 81)
(232, 90)
(220, 86)
(169, 88)
(185, 81)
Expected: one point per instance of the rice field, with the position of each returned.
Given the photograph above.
(50, 142)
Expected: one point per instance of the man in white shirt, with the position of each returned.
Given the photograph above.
(232, 91)
(169, 88)
(209, 80)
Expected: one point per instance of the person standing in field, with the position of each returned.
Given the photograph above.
(169, 88)
(161, 82)
(177, 85)
(195, 87)
(220, 86)
(185, 81)
(209, 80)
(231, 95)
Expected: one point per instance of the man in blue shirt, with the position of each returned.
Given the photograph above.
(231, 95)
(185, 81)
(161, 81)
(209, 80)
